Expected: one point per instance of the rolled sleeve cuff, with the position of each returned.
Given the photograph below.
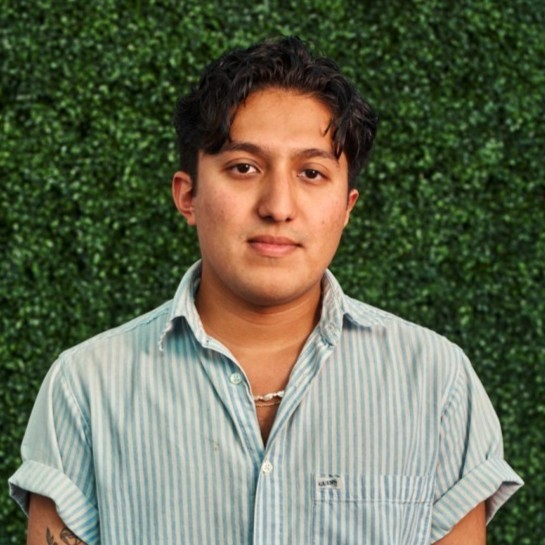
(73, 507)
(494, 481)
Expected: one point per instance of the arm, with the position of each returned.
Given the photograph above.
(45, 526)
(471, 530)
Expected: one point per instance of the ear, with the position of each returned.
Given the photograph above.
(353, 195)
(183, 195)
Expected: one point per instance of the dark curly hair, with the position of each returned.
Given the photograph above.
(203, 117)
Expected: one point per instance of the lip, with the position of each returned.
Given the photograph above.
(273, 246)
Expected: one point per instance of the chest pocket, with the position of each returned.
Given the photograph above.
(371, 510)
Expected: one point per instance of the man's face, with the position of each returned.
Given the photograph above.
(270, 208)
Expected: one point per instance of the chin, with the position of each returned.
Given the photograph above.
(277, 294)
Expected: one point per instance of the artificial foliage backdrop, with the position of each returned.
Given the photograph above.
(449, 232)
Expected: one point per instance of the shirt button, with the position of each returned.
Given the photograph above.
(235, 378)
(267, 467)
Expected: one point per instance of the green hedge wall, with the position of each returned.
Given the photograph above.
(450, 232)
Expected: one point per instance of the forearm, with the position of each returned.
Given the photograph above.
(471, 530)
(45, 527)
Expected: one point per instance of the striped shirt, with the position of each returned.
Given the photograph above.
(148, 434)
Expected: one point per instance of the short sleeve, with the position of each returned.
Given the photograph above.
(57, 458)
(471, 468)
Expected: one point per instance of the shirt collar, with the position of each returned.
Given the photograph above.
(335, 306)
(183, 305)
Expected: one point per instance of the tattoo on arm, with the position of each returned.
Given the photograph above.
(49, 537)
(67, 537)
(70, 538)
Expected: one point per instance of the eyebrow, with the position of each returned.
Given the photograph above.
(254, 149)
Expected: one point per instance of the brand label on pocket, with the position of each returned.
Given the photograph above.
(329, 482)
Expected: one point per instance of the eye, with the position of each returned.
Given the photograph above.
(242, 168)
(312, 174)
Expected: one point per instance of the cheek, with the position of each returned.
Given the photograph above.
(215, 211)
(331, 224)
(333, 215)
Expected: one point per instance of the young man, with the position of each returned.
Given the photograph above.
(262, 405)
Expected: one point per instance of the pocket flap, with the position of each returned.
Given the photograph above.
(373, 488)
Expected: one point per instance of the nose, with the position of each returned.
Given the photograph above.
(277, 198)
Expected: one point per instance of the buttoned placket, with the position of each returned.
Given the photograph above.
(269, 505)
(233, 388)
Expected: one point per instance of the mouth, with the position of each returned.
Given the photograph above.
(273, 246)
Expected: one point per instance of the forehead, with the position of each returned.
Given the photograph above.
(283, 116)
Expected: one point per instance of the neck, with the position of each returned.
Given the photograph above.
(243, 326)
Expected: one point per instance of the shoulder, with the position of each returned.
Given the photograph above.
(388, 325)
(139, 335)
(400, 342)
(104, 368)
